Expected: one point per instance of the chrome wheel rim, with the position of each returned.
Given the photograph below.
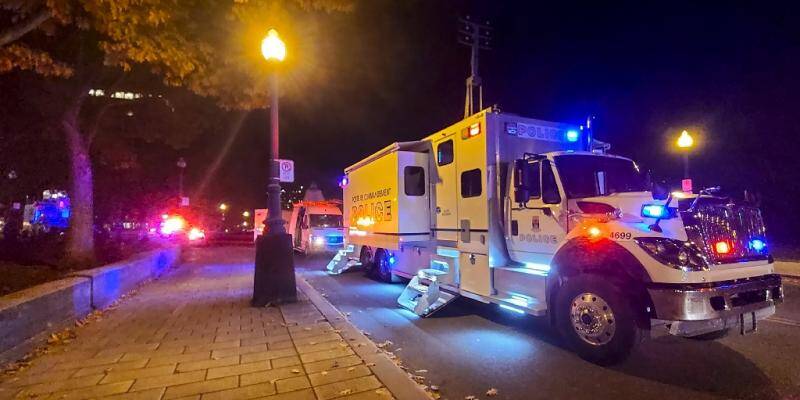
(592, 319)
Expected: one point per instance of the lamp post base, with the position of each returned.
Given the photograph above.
(274, 281)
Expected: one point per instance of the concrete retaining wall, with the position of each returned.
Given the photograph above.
(29, 316)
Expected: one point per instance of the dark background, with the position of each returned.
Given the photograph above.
(394, 71)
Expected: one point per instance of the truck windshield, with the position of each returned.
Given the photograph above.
(325, 220)
(590, 176)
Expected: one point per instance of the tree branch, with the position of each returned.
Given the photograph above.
(19, 30)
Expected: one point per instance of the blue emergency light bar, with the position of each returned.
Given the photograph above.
(572, 136)
(655, 211)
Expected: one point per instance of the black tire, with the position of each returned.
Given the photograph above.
(712, 335)
(382, 270)
(366, 260)
(602, 346)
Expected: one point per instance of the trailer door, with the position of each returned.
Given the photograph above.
(446, 211)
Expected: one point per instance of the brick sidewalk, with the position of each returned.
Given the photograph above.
(193, 335)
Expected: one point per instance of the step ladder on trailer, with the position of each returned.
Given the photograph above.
(423, 295)
(342, 262)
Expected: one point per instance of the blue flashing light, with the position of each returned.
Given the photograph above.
(758, 245)
(447, 252)
(392, 259)
(573, 136)
(538, 267)
(512, 309)
(654, 211)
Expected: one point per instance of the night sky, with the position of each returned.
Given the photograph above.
(395, 72)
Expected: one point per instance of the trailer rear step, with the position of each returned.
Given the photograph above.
(423, 296)
(342, 262)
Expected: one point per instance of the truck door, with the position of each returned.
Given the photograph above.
(297, 221)
(446, 208)
(535, 227)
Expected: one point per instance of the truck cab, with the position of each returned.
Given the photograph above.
(537, 217)
(316, 227)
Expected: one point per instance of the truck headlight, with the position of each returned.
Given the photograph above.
(675, 253)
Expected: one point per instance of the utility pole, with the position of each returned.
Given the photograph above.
(476, 36)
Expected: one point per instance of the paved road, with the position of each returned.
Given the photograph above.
(468, 348)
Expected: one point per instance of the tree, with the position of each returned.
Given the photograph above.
(209, 47)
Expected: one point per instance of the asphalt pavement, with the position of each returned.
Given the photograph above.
(468, 348)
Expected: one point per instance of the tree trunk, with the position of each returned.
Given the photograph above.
(80, 238)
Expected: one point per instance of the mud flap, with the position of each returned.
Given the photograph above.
(424, 298)
(747, 323)
(341, 261)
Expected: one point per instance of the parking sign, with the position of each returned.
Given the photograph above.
(286, 170)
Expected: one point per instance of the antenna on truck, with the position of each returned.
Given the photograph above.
(476, 36)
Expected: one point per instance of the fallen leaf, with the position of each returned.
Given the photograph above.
(351, 369)
(422, 371)
(470, 397)
(491, 392)
(324, 373)
(295, 371)
(346, 392)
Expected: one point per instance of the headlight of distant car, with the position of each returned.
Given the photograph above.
(675, 253)
(319, 240)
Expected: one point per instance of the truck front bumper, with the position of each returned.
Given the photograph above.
(715, 300)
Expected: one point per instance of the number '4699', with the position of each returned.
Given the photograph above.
(621, 235)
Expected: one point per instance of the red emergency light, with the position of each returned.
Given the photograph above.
(723, 247)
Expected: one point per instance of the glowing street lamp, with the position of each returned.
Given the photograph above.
(246, 214)
(272, 47)
(685, 142)
(223, 207)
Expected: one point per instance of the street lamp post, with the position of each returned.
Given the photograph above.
(274, 51)
(182, 166)
(273, 281)
(685, 143)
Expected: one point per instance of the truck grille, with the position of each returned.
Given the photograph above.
(737, 225)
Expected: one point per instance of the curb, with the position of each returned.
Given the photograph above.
(396, 380)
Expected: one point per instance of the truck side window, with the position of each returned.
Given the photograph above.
(444, 153)
(535, 187)
(471, 183)
(414, 180)
(550, 193)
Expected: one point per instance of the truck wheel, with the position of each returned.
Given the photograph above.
(382, 270)
(365, 258)
(712, 335)
(596, 320)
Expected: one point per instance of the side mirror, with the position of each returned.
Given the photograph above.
(522, 192)
(660, 191)
(551, 197)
